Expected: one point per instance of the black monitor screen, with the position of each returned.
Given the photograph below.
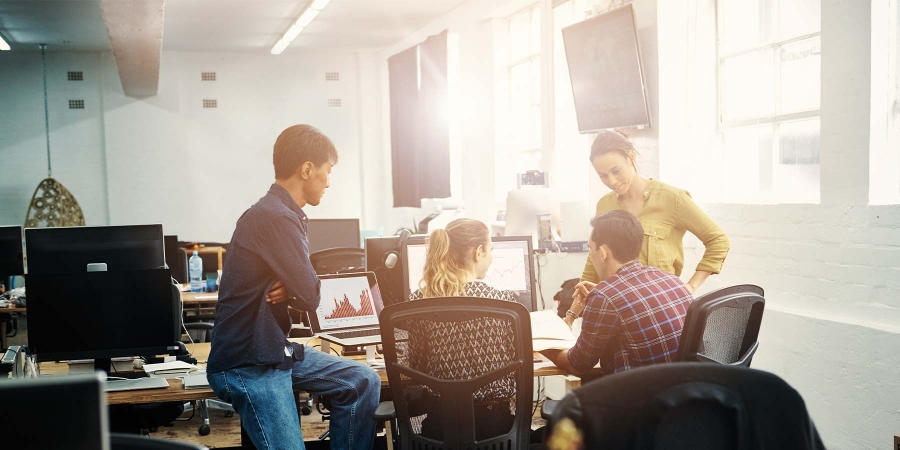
(512, 268)
(70, 250)
(100, 314)
(11, 257)
(333, 233)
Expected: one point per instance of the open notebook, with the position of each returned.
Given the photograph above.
(548, 331)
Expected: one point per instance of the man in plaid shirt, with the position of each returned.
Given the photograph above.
(634, 316)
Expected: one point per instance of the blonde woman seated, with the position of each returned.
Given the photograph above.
(457, 259)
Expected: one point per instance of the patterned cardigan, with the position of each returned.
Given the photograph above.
(439, 348)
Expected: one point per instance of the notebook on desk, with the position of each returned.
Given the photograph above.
(348, 312)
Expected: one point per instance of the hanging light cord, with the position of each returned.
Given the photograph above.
(46, 108)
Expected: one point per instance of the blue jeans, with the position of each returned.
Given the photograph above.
(264, 398)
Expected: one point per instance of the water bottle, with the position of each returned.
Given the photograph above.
(196, 272)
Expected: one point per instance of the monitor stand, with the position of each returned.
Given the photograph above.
(105, 365)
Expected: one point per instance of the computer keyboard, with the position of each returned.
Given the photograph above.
(357, 333)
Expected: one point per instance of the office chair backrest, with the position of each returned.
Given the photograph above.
(723, 326)
(693, 406)
(176, 259)
(449, 357)
(338, 260)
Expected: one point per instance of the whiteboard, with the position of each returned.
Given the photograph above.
(605, 69)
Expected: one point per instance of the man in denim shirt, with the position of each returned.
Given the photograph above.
(251, 363)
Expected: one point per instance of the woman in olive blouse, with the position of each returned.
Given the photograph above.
(665, 212)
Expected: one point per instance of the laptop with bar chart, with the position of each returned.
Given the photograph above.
(348, 311)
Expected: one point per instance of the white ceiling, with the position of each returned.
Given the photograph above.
(224, 25)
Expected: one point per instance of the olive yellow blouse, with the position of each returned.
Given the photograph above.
(667, 213)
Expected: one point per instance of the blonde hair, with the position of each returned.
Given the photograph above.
(448, 256)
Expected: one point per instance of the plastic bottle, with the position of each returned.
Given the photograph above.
(196, 272)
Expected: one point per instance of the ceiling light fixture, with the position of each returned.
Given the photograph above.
(302, 22)
(3, 44)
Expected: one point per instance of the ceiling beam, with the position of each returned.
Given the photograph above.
(135, 29)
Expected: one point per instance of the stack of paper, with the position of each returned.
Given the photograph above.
(195, 381)
(169, 369)
(548, 331)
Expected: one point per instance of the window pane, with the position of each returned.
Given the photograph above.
(797, 177)
(535, 31)
(799, 142)
(534, 125)
(748, 24)
(749, 85)
(536, 81)
(800, 75)
(744, 162)
(519, 35)
(798, 18)
(520, 86)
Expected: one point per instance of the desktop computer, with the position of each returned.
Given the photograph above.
(332, 233)
(12, 259)
(74, 313)
(71, 249)
(528, 209)
(512, 269)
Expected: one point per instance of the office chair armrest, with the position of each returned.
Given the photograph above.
(385, 412)
(548, 408)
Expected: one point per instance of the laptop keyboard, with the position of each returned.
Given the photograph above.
(357, 333)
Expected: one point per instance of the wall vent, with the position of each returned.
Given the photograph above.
(210, 103)
(334, 103)
(76, 104)
(332, 76)
(75, 76)
(207, 76)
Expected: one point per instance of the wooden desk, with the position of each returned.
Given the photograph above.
(201, 351)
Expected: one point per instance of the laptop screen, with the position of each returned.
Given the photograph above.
(348, 301)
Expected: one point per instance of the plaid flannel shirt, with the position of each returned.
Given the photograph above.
(631, 319)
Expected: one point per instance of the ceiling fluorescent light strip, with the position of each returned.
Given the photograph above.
(3, 44)
(302, 22)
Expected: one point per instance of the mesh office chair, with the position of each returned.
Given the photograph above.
(338, 260)
(683, 406)
(722, 326)
(473, 399)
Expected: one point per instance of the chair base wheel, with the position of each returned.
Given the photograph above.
(229, 413)
(305, 410)
(203, 430)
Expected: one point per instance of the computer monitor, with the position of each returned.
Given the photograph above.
(12, 260)
(332, 233)
(71, 249)
(55, 412)
(100, 315)
(523, 206)
(176, 259)
(512, 268)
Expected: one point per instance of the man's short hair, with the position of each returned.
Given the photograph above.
(298, 144)
(620, 231)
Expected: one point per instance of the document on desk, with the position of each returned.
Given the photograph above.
(195, 381)
(548, 331)
(169, 369)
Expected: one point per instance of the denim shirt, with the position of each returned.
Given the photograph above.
(269, 244)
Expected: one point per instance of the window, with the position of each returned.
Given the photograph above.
(884, 157)
(522, 146)
(769, 58)
(572, 172)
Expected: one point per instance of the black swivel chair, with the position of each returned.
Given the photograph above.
(682, 406)
(338, 260)
(416, 389)
(723, 326)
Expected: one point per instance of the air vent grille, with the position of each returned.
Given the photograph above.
(334, 103)
(208, 76)
(332, 76)
(76, 104)
(210, 103)
(75, 76)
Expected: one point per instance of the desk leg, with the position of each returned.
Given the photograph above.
(2, 335)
